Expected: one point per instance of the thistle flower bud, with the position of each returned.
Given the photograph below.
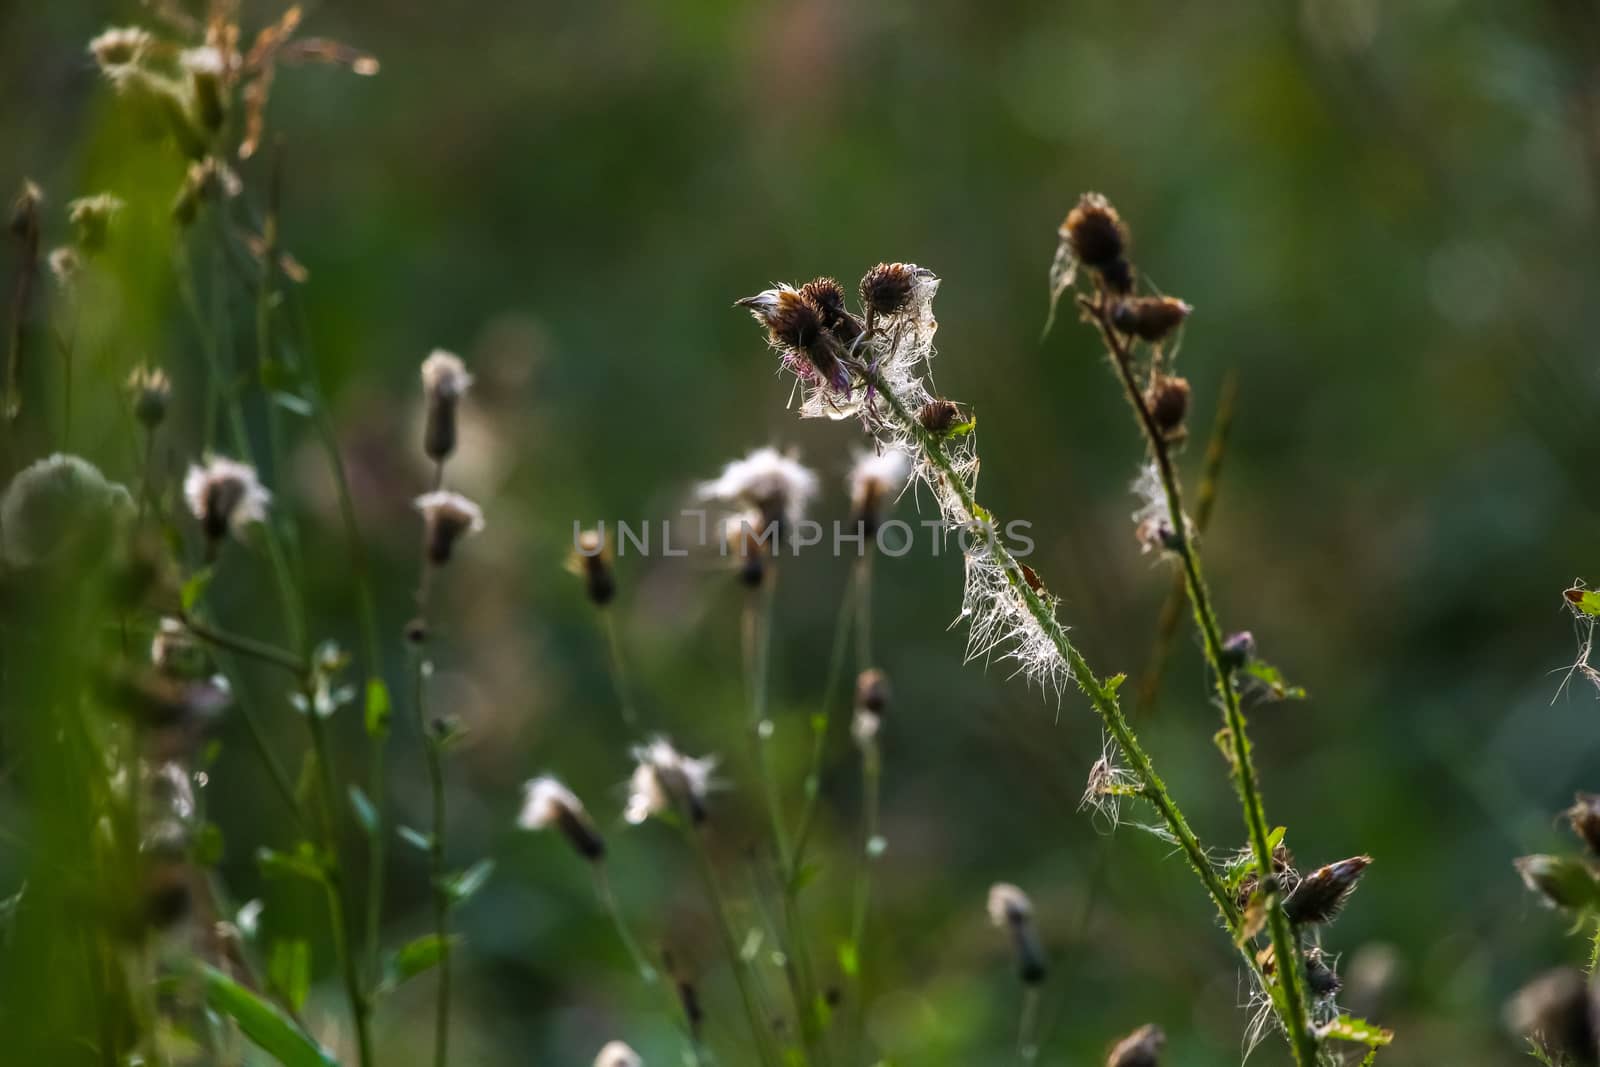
(1558, 1010)
(618, 1054)
(1237, 648)
(939, 417)
(1095, 232)
(1118, 277)
(665, 780)
(1584, 815)
(206, 68)
(1167, 400)
(447, 517)
(1321, 895)
(224, 495)
(1010, 909)
(444, 382)
(66, 266)
(592, 561)
(1142, 1048)
(827, 296)
(1149, 318)
(91, 218)
(546, 802)
(872, 698)
(120, 47)
(151, 390)
(874, 480)
(798, 328)
(891, 288)
(1561, 882)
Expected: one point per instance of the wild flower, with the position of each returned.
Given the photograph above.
(1010, 909)
(778, 486)
(151, 390)
(592, 561)
(665, 780)
(1321, 895)
(1142, 1048)
(444, 382)
(225, 495)
(872, 699)
(618, 1054)
(447, 518)
(546, 803)
(875, 478)
(91, 218)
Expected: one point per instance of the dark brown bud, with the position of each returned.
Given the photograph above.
(592, 561)
(828, 297)
(447, 518)
(416, 633)
(444, 382)
(1142, 1048)
(688, 995)
(886, 289)
(1237, 648)
(1320, 978)
(1119, 277)
(151, 391)
(1149, 318)
(1584, 815)
(1321, 895)
(1010, 908)
(1167, 400)
(872, 691)
(1095, 232)
(938, 417)
(1558, 1011)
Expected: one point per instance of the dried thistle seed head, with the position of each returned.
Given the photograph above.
(1320, 976)
(939, 417)
(872, 691)
(1010, 909)
(151, 391)
(827, 296)
(1149, 318)
(778, 486)
(207, 68)
(750, 540)
(1153, 520)
(1142, 1048)
(1095, 231)
(66, 266)
(1167, 400)
(546, 803)
(592, 561)
(24, 222)
(91, 218)
(1561, 882)
(1558, 1011)
(1584, 815)
(1321, 895)
(120, 47)
(665, 779)
(618, 1054)
(1282, 866)
(876, 478)
(225, 495)
(798, 328)
(444, 382)
(447, 517)
(889, 288)
(1237, 649)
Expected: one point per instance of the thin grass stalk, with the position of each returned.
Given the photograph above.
(821, 725)
(608, 901)
(1291, 996)
(861, 894)
(1028, 1026)
(436, 871)
(619, 670)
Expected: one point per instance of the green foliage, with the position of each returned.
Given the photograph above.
(271, 1030)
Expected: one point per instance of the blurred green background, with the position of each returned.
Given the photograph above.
(1384, 215)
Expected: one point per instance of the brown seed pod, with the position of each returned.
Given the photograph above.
(1321, 895)
(887, 288)
(828, 297)
(938, 417)
(1167, 400)
(1095, 231)
(1149, 318)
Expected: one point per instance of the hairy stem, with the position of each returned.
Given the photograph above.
(1291, 995)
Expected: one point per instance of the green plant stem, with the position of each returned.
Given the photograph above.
(619, 671)
(871, 773)
(1028, 1026)
(434, 757)
(1594, 951)
(730, 944)
(608, 901)
(1292, 996)
(864, 610)
(821, 725)
(246, 646)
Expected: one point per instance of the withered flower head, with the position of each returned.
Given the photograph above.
(618, 1054)
(591, 560)
(750, 539)
(207, 68)
(666, 779)
(1322, 894)
(1560, 881)
(1320, 976)
(66, 266)
(1167, 400)
(1282, 864)
(875, 479)
(225, 495)
(1095, 231)
(939, 417)
(91, 218)
(447, 517)
(120, 47)
(892, 288)
(1010, 909)
(798, 328)
(444, 381)
(1237, 648)
(1149, 318)
(828, 297)
(1584, 815)
(151, 390)
(872, 698)
(777, 485)
(1558, 1010)
(546, 802)
(1142, 1048)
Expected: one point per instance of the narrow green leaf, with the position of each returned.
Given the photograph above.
(269, 1028)
(366, 814)
(302, 863)
(379, 708)
(194, 589)
(289, 970)
(1349, 1028)
(416, 839)
(461, 887)
(412, 959)
(849, 963)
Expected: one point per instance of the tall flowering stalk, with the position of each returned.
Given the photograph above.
(875, 366)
